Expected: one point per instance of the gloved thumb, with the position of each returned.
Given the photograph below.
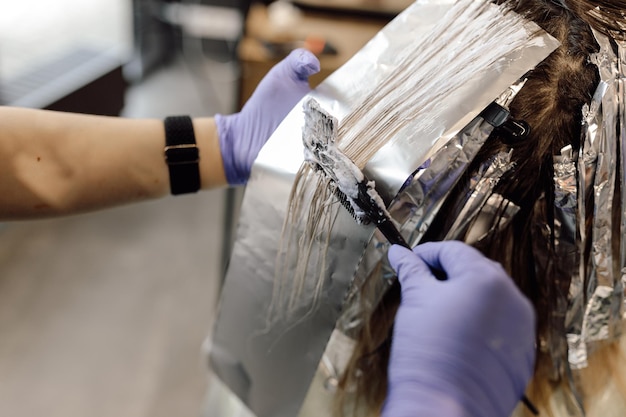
(412, 271)
(285, 85)
(301, 64)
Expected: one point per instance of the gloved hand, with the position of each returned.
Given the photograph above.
(463, 346)
(243, 134)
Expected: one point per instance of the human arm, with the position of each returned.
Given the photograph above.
(463, 346)
(54, 163)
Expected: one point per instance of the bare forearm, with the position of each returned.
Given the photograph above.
(55, 163)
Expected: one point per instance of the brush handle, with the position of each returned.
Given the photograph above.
(391, 233)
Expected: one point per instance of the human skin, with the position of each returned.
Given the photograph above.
(55, 163)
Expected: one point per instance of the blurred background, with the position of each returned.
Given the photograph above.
(104, 314)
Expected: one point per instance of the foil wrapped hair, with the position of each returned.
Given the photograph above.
(549, 205)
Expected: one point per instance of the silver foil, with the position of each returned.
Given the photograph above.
(604, 304)
(478, 212)
(587, 158)
(482, 188)
(621, 90)
(420, 199)
(496, 214)
(417, 204)
(567, 313)
(392, 164)
(271, 368)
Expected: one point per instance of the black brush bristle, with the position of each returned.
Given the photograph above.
(343, 199)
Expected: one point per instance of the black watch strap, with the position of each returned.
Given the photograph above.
(181, 155)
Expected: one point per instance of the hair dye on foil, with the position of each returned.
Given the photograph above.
(272, 370)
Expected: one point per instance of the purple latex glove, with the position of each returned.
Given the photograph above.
(243, 134)
(463, 346)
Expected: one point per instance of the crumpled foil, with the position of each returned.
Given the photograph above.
(602, 317)
(417, 204)
(596, 292)
(271, 365)
(495, 215)
(621, 89)
(587, 158)
(565, 324)
(568, 284)
(482, 186)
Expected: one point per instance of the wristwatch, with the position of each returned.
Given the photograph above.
(181, 155)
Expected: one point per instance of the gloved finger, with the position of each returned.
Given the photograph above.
(411, 270)
(455, 258)
(302, 64)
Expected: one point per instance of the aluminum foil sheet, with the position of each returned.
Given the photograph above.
(391, 165)
(598, 314)
(416, 206)
(587, 158)
(482, 188)
(570, 301)
(621, 91)
(419, 200)
(595, 313)
(271, 368)
(567, 349)
(603, 287)
(568, 284)
(496, 215)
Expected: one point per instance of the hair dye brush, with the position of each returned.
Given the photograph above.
(355, 192)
